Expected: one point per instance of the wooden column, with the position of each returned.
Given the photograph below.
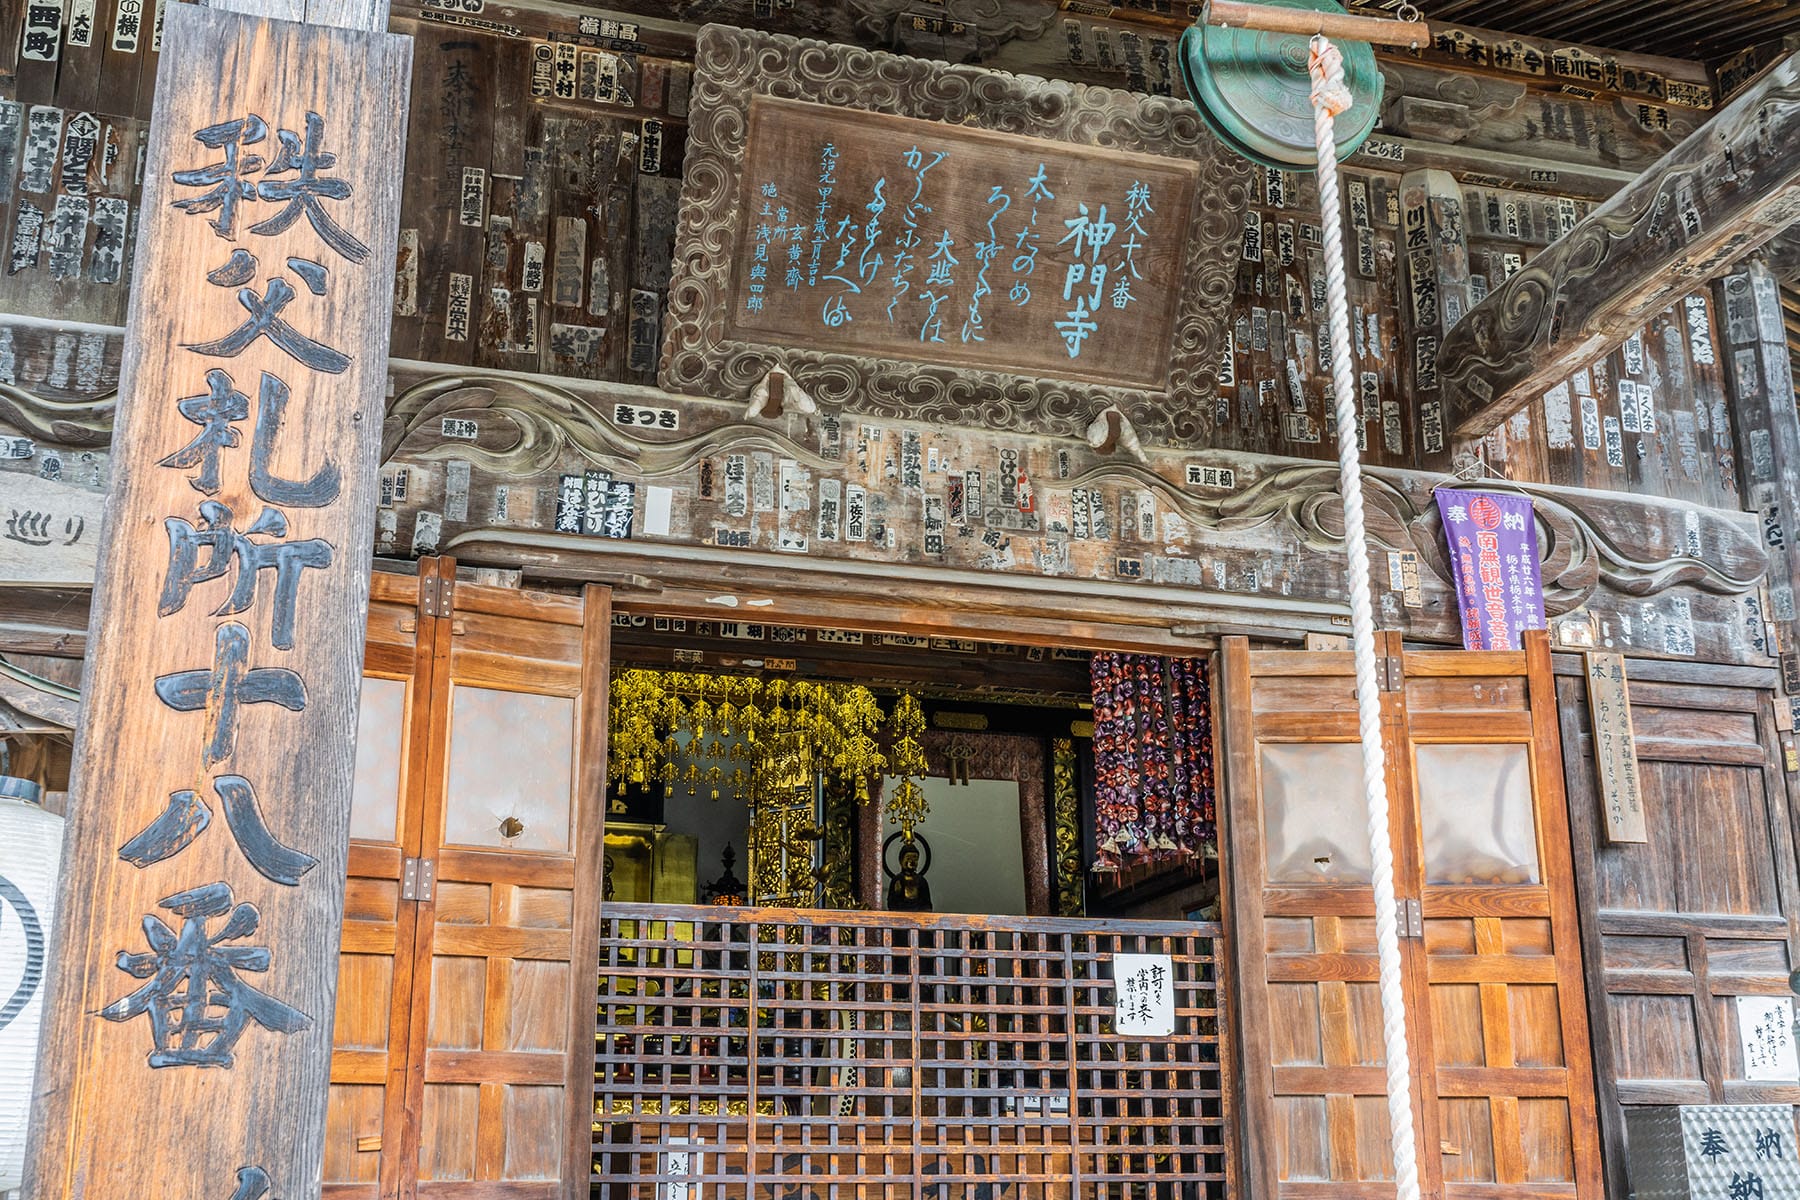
(1436, 246)
(189, 1019)
(1759, 380)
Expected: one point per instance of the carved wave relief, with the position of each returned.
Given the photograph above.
(79, 424)
(1578, 552)
(533, 428)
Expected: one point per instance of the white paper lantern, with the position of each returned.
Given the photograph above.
(30, 858)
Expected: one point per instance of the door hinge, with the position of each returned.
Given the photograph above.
(436, 595)
(1410, 915)
(1390, 673)
(416, 877)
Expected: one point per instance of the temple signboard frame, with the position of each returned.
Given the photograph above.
(944, 243)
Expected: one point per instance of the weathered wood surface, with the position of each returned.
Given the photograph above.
(541, 195)
(1474, 110)
(1704, 909)
(1436, 253)
(1727, 189)
(1133, 45)
(40, 693)
(478, 459)
(1082, 310)
(1652, 416)
(61, 385)
(42, 620)
(197, 955)
(958, 191)
(1759, 380)
(49, 531)
(1496, 1019)
(1260, 540)
(1614, 746)
(69, 195)
(570, 132)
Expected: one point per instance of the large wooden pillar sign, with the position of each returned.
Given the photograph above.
(188, 1025)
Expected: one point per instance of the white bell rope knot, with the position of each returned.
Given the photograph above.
(1330, 96)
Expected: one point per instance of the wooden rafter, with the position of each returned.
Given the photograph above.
(1726, 190)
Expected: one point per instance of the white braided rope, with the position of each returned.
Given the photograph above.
(1328, 83)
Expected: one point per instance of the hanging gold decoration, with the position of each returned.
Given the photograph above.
(1070, 894)
(907, 806)
(776, 729)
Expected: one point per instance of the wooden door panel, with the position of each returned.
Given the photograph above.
(1679, 925)
(1496, 1022)
(1502, 963)
(461, 1064)
(1304, 920)
(503, 1074)
(373, 996)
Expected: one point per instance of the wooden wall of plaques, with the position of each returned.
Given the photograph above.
(539, 240)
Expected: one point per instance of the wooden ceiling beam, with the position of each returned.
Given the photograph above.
(1783, 256)
(1726, 190)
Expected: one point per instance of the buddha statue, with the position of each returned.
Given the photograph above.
(907, 890)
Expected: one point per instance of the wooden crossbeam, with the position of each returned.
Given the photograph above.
(1782, 255)
(1728, 188)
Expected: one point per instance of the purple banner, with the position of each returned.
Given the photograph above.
(1494, 555)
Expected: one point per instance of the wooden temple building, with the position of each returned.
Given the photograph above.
(745, 600)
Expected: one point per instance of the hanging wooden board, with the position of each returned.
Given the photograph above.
(1615, 747)
(945, 243)
(48, 531)
(188, 1025)
(941, 214)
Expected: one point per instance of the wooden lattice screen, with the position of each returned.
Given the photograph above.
(767, 1054)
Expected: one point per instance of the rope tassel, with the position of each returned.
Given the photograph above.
(1330, 96)
(1329, 91)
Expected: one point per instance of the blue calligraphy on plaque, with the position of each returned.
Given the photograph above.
(910, 240)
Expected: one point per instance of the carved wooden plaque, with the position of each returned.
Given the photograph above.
(946, 243)
(188, 1021)
(940, 244)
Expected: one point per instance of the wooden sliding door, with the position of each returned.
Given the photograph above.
(1503, 1092)
(366, 1112)
(1678, 926)
(465, 1046)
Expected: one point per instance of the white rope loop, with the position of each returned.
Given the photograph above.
(1330, 96)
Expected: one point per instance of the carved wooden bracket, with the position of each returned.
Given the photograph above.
(775, 396)
(1112, 432)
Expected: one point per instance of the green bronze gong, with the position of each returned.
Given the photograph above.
(1254, 91)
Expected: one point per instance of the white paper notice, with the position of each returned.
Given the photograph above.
(1766, 1028)
(1143, 995)
(656, 510)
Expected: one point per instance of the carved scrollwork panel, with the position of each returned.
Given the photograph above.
(720, 345)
